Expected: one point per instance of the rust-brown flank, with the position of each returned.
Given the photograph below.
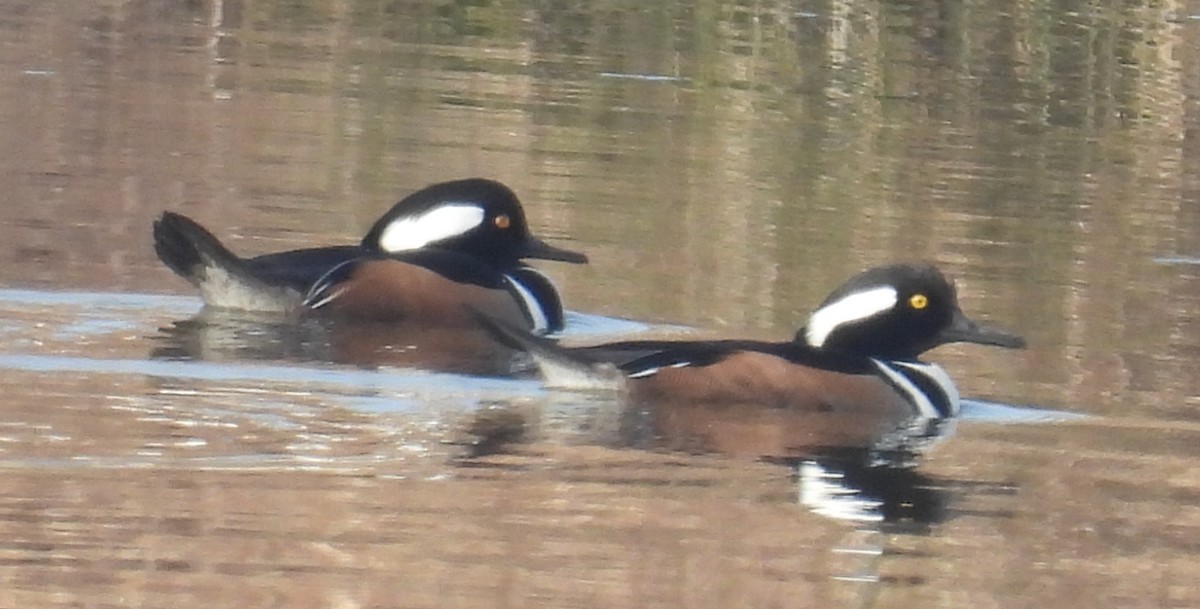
(758, 404)
(389, 290)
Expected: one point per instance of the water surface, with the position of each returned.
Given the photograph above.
(724, 166)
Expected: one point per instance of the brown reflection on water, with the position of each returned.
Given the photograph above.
(170, 536)
(1093, 508)
(215, 336)
(1043, 156)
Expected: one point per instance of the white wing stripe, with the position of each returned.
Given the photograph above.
(919, 399)
(939, 377)
(530, 304)
(643, 373)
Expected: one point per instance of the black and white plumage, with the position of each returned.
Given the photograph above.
(448, 245)
(857, 356)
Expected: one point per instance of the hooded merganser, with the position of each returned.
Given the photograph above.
(855, 359)
(449, 244)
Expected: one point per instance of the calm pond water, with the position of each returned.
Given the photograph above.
(724, 165)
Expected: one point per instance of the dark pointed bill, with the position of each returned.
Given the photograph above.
(536, 248)
(964, 330)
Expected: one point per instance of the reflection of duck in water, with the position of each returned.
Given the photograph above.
(216, 336)
(849, 384)
(447, 245)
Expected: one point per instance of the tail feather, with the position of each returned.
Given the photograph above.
(225, 280)
(189, 249)
(559, 366)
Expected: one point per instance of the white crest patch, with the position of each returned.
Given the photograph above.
(441, 222)
(851, 307)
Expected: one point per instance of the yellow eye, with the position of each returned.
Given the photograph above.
(918, 301)
(502, 221)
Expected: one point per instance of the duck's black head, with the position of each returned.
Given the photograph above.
(478, 217)
(896, 312)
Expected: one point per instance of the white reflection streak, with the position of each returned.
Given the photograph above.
(215, 23)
